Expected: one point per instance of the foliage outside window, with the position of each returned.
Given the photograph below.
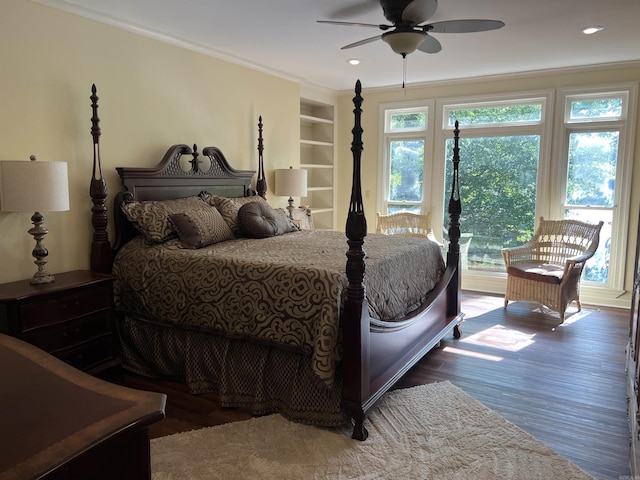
(498, 189)
(500, 155)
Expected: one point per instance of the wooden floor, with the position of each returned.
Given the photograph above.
(564, 384)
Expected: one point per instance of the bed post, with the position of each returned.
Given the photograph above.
(356, 324)
(100, 247)
(453, 252)
(261, 181)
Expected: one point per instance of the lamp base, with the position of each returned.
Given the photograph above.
(291, 208)
(39, 251)
(42, 277)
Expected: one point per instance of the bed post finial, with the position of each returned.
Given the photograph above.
(100, 247)
(261, 181)
(195, 161)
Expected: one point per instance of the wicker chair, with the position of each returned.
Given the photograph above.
(548, 268)
(406, 223)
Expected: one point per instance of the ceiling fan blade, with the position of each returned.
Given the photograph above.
(419, 11)
(430, 45)
(463, 26)
(361, 42)
(354, 24)
(360, 8)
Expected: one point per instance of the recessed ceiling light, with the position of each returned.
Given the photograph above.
(353, 61)
(592, 30)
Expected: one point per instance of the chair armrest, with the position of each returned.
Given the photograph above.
(581, 258)
(573, 263)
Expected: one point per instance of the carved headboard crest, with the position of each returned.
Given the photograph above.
(172, 164)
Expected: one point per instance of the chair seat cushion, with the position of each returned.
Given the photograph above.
(539, 272)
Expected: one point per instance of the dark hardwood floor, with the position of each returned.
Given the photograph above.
(563, 384)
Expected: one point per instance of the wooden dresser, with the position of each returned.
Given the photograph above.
(57, 422)
(71, 318)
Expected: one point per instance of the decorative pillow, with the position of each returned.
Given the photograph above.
(229, 208)
(259, 220)
(216, 200)
(201, 227)
(151, 218)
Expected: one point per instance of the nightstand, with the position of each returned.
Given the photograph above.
(71, 318)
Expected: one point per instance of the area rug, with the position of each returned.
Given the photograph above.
(433, 431)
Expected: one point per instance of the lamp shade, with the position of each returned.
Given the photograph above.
(291, 182)
(33, 186)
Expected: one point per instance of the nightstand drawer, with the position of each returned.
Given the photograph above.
(89, 354)
(60, 309)
(68, 334)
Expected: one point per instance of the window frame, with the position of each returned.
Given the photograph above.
(494, 281)
(387, 136)
(554, 135)
(625, 125)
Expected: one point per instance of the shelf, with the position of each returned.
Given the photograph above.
(314, 165)
(317, 156)
(317, 211)
(315, 143)
(308, 119)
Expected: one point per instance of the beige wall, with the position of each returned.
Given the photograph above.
(152, 95)
(372, 99)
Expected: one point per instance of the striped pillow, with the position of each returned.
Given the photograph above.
(199, 228)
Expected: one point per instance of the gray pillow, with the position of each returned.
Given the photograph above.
(201, 227)
(151, 218)
(259, 220)
(229, 208)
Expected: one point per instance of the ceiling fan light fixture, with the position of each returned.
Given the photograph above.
(404, 43)
(354, 61)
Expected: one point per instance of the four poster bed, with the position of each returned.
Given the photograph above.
(256, 311)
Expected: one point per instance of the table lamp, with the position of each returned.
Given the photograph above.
(291, 182)
(35, 187)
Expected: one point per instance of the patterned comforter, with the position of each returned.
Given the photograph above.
(285, 290)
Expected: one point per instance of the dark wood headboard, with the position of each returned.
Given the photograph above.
(182, 172)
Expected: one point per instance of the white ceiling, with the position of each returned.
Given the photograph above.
(282, 36)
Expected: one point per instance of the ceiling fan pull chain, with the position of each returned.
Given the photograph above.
(404, 72)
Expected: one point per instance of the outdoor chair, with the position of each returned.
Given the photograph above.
(547, 269)
(406, 223)
(464, 242)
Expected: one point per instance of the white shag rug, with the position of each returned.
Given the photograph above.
(433, 431)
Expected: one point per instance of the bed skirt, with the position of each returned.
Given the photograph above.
(262, 377)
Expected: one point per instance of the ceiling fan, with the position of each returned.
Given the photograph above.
(409, 32)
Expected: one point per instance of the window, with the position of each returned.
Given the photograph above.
(592, 185)
(406, 146)
(515, 167)
(500, 171)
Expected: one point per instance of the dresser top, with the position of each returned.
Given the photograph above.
(22, 289)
